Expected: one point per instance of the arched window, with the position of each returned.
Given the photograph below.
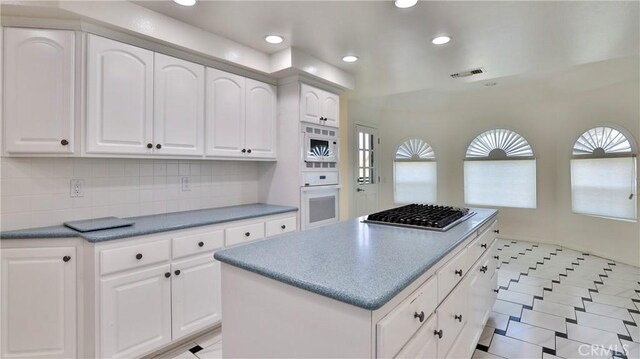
(500, 170)
(414, 173)
(603, 174)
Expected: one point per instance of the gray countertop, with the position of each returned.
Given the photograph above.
(357, 263)
(156, 223)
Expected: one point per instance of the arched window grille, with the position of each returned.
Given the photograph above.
(415, 173)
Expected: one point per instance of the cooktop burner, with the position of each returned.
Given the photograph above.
(423, 216)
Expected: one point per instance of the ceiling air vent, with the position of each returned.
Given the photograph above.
(477, 71)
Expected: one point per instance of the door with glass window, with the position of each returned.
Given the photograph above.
(366, 176)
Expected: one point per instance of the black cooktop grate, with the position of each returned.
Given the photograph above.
(425, 216)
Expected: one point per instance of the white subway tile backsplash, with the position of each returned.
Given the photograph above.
(35, 192)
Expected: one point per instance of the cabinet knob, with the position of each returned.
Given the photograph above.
(458, 318)
(158, 146)
(167, 275)
(483, 245)
(66, 258)
(419, 316)
(139, 256)
(458, 272)
(483, 269)
(438, 333)
(247, 234)
(177, 272)
(149, 145)
(496, 290)
(496, 231)
(249, 151)
(496, 257)
(64, 142)
(200, 244)
(244, 150)
(283, 226)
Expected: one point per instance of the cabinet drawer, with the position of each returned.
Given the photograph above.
(395, 329)
(197, 243)
(451, 273)
(244, 233)
(118, 259)
(452, 317)
(481, 244)
(424, 344)
(282, 225)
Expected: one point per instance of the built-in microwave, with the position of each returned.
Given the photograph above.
(320, 147)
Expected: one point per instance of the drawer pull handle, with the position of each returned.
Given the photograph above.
(283, 226)
(483, 269)
(496, 257)
(66, 258)
(438, 333)
(496, 290)
(419, 316)
(167, 275)
(200, 244)
(483, 245)
(177, 272)
(139, 256)
(496, 231)
(458, 318)
(458, 272)
(247, 234)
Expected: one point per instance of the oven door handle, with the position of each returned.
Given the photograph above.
(318, 188)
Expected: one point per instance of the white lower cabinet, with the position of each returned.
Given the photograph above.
(424, 344)
(452, 316)
(195, 294)
(38, 303)
(135, 312)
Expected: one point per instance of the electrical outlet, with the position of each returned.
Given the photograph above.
(77, 188)
(186, 184)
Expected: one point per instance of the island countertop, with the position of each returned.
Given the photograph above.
(361, 264)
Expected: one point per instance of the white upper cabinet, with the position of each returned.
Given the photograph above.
(119, 98)
(179, 107)
(319, 106)
(225, 113)
(39, 68)
(260, 120)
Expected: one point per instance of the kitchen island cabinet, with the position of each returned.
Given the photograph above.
(362, 290)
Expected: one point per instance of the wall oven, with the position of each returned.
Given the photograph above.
(320, 205)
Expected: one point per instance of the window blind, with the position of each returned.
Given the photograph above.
(502, 183)
(415, 182)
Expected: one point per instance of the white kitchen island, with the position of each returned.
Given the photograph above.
(361, 290)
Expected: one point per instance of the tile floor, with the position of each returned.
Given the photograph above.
(553, 303)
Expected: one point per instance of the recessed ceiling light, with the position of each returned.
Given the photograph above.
(403, 4)
(350, 58)
(185, 2)
(274, 39)
(440, 40)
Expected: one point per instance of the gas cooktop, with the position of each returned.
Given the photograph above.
(423, 216)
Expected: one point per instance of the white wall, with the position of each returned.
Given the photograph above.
(550, 114)
(35, 192)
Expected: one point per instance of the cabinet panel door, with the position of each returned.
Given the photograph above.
(310, 104)
(331, 109)
(119, 97)
(135, 313)
(39, 90)
(179, 107)
(260, 123)
(38, 303)
(225, 114)
(424, 344)
(196, 296)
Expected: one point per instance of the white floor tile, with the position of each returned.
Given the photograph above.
(515, 297)
(563, 299)
(601, 322)
(592, 336)
(625, 292)
(613, 300)
(486, 336)
(526, 289)
(607, 310)
(631, 349)
(560, 310)
(635, 333)
(571, 349)
(538, 282)
(508, 308)
(583, 283)
(549, 356)
(186, 355)
(479, 354)
(571, 290)
(636, 318)
(534, 335)
(620, 283)
(498, 320)
(513, 348)
(210, 339)
(211, 352)
(544, 320)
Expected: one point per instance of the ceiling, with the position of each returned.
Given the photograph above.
(394, 45)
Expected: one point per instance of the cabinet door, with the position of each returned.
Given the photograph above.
(39, 91)
(179, 107)
(135, 312)
(196, 301)
(424, 344)
(310, 104)
(225, 114)
(38, 303)
(119, 97)
(260, 120)
(331, 109)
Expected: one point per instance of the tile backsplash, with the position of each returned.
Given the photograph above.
(37, 191)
